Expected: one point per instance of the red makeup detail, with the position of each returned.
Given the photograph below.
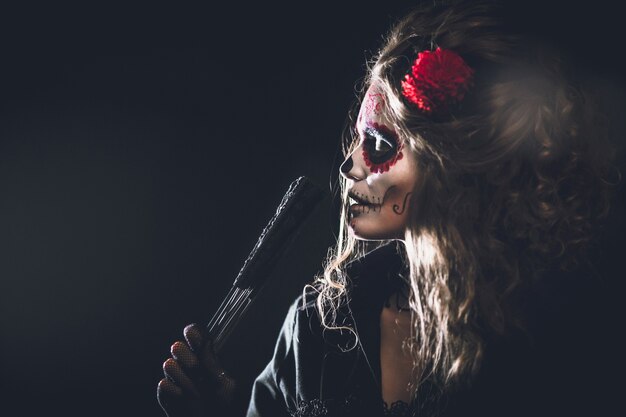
(384, 167)
(379, 163)
(373, 105)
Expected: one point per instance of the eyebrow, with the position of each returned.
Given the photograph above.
(382, 131)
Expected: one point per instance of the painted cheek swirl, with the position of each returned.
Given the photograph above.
(399, 210)
(381, 148)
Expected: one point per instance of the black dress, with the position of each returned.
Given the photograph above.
(319, 372)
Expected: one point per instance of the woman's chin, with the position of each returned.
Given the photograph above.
(366, 229)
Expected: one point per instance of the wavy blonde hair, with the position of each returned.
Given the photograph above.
(514, 180)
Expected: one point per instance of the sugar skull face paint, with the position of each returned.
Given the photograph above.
(381, 147)
(381, 174)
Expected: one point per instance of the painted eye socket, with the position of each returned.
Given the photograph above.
(378, 148)
(381, 148)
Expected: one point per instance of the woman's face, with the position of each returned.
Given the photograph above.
(381, 174)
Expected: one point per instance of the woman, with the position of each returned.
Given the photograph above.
(474, 166)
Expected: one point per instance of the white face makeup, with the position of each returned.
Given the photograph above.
(381, 174)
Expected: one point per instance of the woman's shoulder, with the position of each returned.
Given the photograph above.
(311, 326)
(303, 314)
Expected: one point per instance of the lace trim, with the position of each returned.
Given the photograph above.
(398, 409)
(319, 408)
(313, 408)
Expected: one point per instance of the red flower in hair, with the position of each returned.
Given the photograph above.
(437, 79)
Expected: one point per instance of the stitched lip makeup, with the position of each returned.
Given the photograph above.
(361, 203)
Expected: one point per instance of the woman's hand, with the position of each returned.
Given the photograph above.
(195, 385)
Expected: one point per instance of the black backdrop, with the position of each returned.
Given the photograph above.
(142, 150)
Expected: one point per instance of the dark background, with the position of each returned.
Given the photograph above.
(143, 148)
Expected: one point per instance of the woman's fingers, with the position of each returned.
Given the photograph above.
(169, 396)
(209, 360)
(194, 337)
(225, 383)
(167, 388)
(184, 356)
(198, 358)
(198, 351)
(203, 347)
(175, 373)
(194, 380)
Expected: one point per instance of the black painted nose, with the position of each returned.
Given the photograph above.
(346, 166)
